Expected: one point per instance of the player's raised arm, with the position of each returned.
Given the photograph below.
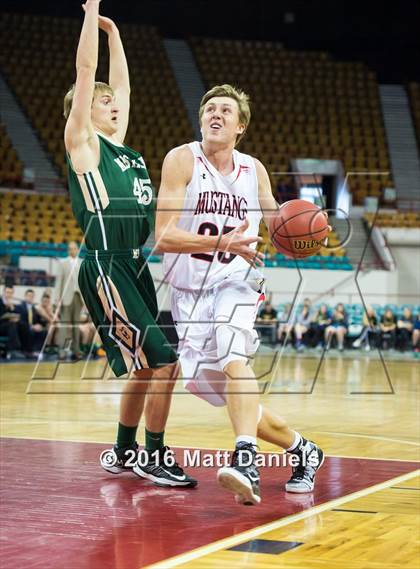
(176, 174)
(119, 78)
(79, 129)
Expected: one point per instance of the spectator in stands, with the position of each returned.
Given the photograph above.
(320, 322)
(45, 309)
(90, 342)
(404, 329)
(370, 331)
(46, 313)
(303, 323)
(32, 333)
(267, 322)
(337, 328)
(388, 328)
(9, 318)
(69, 302)
(415, 338)
(285, 322)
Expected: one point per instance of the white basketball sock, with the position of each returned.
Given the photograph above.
(296, 442)
(245, 439)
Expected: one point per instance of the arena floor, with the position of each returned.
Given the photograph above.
(60, 510)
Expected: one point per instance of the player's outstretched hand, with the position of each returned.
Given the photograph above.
(90, 2)
(236, 242)
(104, 23)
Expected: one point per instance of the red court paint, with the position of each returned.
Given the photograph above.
(60, 510)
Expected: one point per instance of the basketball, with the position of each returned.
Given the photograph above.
(298, 229)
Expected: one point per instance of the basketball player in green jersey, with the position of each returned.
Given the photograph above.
(112, 200)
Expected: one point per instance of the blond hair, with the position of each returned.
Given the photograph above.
(99, 88)
(237, 95)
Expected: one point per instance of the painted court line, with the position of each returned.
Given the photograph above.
(255, 532)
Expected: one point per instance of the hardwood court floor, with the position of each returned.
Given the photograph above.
(365, 515)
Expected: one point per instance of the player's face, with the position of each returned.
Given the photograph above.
(105, 113)
(220, 120)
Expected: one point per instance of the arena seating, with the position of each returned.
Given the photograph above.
(41, 69)
(38, 218)
(11, 168)
(25, 277)
(14, 249)
(38, 224)
(394, 219)
(305, 104)
(315, 262)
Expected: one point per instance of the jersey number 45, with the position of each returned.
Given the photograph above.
(142, 189)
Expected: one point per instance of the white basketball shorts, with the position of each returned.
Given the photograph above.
(215, 327)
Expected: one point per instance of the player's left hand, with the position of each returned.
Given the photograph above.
(326, 217)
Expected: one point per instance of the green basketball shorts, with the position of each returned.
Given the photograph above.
(119, 293)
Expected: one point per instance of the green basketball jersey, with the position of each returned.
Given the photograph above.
(114, 205)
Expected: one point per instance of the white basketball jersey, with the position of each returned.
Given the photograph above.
(214, 204)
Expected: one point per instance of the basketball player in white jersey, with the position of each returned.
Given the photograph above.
(210, 204)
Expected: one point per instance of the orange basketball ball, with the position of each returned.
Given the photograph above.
(298, 229)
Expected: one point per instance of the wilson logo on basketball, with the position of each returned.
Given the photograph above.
(302, 244)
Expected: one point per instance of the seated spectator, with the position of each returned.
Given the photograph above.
(321, 320)
(370, 332)
(404, 330)
(32, 333)
(337, 328)
(388, 326)
(267, 322)
(47, 319)
(90, 341)
(9, 319)
(415, 338)
(285, 322)
(303, 323)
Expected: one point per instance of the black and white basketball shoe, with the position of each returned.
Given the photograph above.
(242, 476)
(119, 459)
(158, 466)
(161, 468)
(311, 458)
